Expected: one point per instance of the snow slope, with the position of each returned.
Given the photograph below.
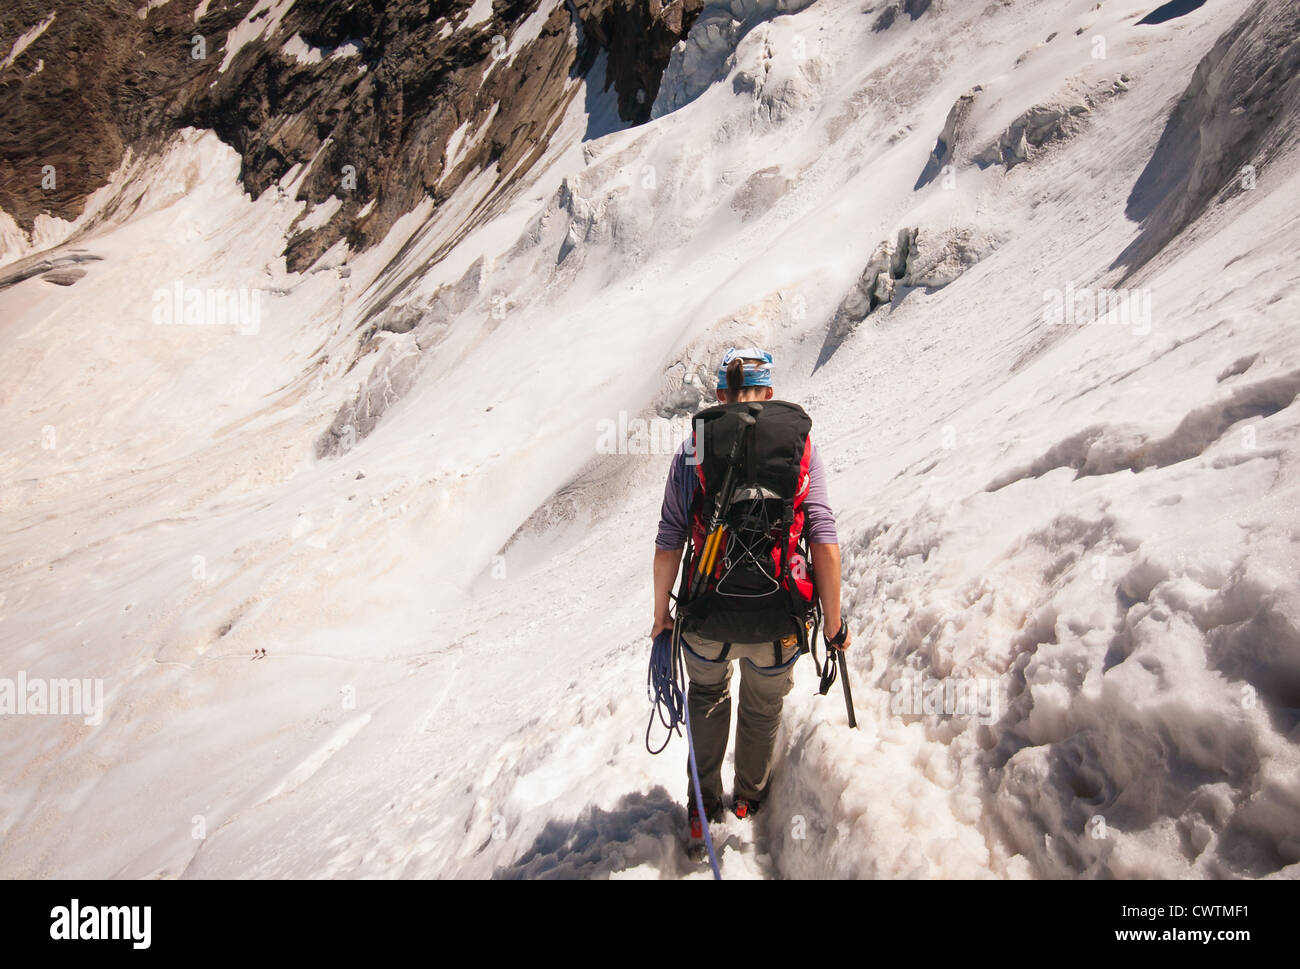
(1092, 525)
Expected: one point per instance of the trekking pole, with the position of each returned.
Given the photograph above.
(848, 692)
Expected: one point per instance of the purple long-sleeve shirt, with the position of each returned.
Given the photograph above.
(674, 517)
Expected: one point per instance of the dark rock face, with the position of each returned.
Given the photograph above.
(1239, 112)
(66, 100)
(384, 102)
(639, 37)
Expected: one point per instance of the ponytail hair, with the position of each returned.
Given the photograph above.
(735, 377)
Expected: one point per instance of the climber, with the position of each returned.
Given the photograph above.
(754, 591)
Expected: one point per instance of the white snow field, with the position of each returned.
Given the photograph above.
(1091, 527)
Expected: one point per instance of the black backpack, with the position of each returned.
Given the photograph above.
(747, 577)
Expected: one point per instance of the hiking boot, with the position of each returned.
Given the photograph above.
(744, 808)
(712, 809)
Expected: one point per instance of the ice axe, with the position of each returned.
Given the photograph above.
(712, 544)
(838, 665)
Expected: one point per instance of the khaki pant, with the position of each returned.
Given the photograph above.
(766, 676)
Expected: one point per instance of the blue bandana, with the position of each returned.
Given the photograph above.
(756, 374)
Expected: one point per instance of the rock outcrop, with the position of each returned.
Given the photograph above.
(1043, 124)
(1036, 128)
(382, 102)
(936, 259)
(915, 258)
(945, 147)
(639, 38)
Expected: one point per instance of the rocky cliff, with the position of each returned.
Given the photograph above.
(384, 102)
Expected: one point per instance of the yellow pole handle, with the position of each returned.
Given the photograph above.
(710, 555)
